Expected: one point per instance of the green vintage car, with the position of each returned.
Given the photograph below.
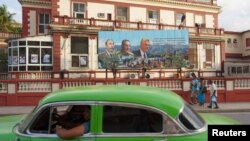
(118, 113)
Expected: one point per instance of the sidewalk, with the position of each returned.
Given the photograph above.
(224, 107)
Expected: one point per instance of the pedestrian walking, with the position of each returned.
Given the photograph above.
(213, 95)
(194, 89)
(202, 91)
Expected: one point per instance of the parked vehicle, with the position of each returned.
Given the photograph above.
(127, 113)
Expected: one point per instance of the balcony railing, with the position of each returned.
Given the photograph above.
(209, 2)
(113, 25)
(42, 82)
(3, 87)
(7, 35)
(33, 86)
(243, 83)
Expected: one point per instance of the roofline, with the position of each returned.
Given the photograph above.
(236, 32)
(246, 31)
(232, 32)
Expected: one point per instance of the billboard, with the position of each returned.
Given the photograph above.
(151, 49)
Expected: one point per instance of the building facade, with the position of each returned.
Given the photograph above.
(67, 21)
(237, 54)
(57, 33)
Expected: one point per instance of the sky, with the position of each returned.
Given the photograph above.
(234, 16)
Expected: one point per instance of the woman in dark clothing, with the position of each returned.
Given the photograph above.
(201, 93)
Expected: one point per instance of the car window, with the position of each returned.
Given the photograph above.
(172, 127)
(190, 119)
(41, 124)
(67, 116)
(118, 119)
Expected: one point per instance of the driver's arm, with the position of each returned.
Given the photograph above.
(70, 133)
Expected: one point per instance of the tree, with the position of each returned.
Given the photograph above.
(3, 62)
(112, 63)
(7, 23)
(179, 62)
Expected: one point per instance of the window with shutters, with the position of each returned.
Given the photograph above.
(192, 55)
(248, 43)
(79, 10)
(209, 55)
(235, 42)
(152, 16)
(44, 20)
(79, 51)
(229, 42)
(122, 13)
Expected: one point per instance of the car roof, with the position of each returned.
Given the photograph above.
(162, 99)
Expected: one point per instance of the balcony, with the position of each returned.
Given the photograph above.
(84, 23)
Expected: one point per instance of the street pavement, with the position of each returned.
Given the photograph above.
(224, 107)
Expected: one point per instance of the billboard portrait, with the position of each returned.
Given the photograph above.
(151, 49)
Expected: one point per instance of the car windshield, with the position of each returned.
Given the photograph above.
(190, 119)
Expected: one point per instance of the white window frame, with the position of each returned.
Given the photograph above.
(121, 16)
(78, 12)
(45, 25)
(153, 20)
(79, 64)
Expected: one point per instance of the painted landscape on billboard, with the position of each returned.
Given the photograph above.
(151, 49)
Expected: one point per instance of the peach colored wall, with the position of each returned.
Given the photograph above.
(167, 17)
(217, 56)
(233, 48)
(95, 8)
(64, 7)
(209, 21)
(32, 23)
(190, 19)
(138, 14)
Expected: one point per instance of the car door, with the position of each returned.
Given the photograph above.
(125, 122)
